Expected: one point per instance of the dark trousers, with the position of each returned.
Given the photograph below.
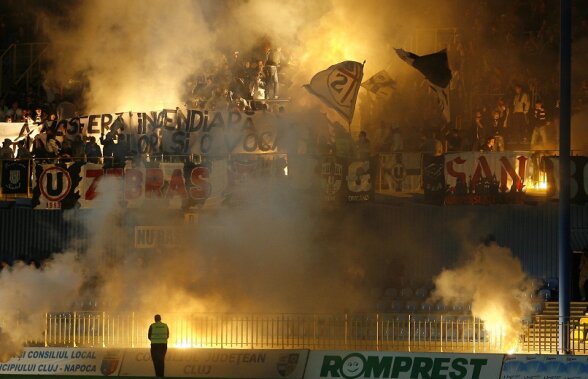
(158, 351)
(519, 128)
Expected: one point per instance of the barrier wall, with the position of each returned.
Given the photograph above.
(545, 366)
(195, 363)
(219, 363)
(293, 364)
(372, 364)
(64, 361)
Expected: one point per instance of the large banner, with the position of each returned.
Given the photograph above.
(578, 178)
(64, 362)
(15, 177)
(15, 131)
(55, 186)
(434, 178)
(164, 185)
(344, 180)
(400, 173)
(545, 367)
(380, 365)
(487, 178)
(223, 363)
(177, 131)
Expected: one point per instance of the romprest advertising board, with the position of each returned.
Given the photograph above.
(545, 366)
(64, 361)
(219, 363)
(380, 365)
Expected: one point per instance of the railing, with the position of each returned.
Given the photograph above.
(381, 332)
(17, 63)
(283, 331)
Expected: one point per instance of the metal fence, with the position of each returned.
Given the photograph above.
(442, 333)
(371, 332)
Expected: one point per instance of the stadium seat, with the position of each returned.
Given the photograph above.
(545, 294)
(440, 307)
(411, 306)
(391, 293)
(433, 318)
(552, 283)
(537, 307)
(420, 293)
(427, 307)
(396, 306)
(458, 308)
(406, 293)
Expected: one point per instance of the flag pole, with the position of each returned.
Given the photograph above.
(564, 173)
(349, 124)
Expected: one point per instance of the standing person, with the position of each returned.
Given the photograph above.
(480, 132)
(6, 150)
(520, 109)
(158, 335)
(93, 152)
(497, 129)
(273, 59)
(539, 126)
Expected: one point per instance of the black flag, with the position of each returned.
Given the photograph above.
(435, 68)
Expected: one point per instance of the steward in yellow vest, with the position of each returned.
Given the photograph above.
(158, 335)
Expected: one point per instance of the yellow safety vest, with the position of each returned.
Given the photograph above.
(158, 332)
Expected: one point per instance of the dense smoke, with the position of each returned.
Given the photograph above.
(493, 282)
(280, 252)
(141, 58)
(133, 54)
(28, 292)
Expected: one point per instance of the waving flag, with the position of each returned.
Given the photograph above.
(381, 84)
(337, 87)
(435, 68)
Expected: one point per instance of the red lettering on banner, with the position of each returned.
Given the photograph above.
(133, 184)
(153, 182)
(96, 174)
(451, 171)
(176, 185)
(482, 166)
(508, 170)
(200, 189)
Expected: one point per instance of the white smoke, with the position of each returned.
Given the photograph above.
(27, 293)
(137, 55)
(134, 54)
(492, 280)
(271, 255)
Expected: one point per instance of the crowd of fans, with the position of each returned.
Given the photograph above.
(242, 81)
(505, 88)
(504, 92)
